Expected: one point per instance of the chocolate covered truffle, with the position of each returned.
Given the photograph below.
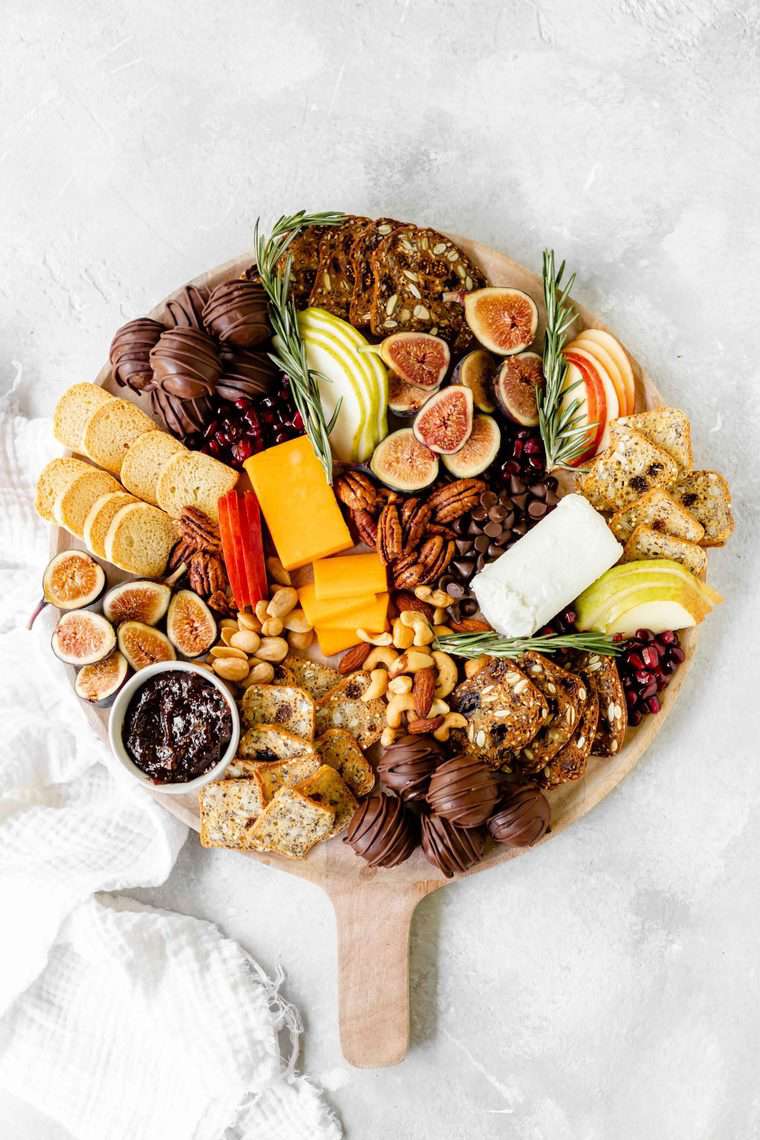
(245, 375)
(185, 363)
(186, 309)
(130, 353)
(523, 817)
(237, 314)
(451, 849)
(382, 831)
(180, 417)
(407, 765)
(464, 790)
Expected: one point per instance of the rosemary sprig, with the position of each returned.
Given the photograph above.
(563, 431)
(289, 352)
(493, 645)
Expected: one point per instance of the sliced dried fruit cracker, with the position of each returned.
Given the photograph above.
(338, 748)
(327, 788)
(291, 824)
(285, 705)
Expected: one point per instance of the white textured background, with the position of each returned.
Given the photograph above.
(607, 985)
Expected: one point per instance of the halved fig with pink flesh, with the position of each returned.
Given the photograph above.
(190, 624)
(99, 683)
(475, 371)
(72, 581)
(142, 645)
(444, 422)
(479, 452)
(403, 463)
(82, 638)
(419, 358)
(503, 320)
(140, 600)
(515, 386)
(404, 399)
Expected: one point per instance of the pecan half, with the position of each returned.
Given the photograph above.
(416, 527)
(354, 658)
(182, 551)
(435, 554)
(390, 537)
(206, 574)
(455, 499)
(357, 491)
(407, 572)
(423, 690)
(220, 603)
(198, 529)
(365, 526)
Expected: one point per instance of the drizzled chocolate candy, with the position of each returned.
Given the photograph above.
(382, 831)
(185, 363)
(236, 314)
(130, 353)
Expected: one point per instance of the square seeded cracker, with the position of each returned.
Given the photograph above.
(565, 694)
(343, 707)
(316, 678)
(284, 773)
(291, 824)
(229, 809)
(284, 705)
(327, 788)
(504, 711)
(270, 742)
(338, 748)
(668, 428)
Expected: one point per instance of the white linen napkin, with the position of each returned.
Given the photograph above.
(116, 1019)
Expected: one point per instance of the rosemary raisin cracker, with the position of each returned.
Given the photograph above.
(334, 279)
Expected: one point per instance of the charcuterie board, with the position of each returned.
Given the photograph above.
(373, 966)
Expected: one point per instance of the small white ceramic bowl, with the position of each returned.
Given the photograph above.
(119, 709)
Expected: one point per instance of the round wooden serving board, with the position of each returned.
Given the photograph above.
(373, 908)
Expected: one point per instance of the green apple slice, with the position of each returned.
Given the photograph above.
(338, 382)
(313, 322)
(374, 367)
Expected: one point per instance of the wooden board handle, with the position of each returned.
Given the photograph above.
(373, 924)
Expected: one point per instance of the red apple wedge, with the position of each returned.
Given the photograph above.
(619, 355)
(585, 387)
(608, 363)
(588, 363)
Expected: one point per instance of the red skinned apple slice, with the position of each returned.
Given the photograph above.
(608, 364)
(618, 354)
(586, 362)
(588, 391)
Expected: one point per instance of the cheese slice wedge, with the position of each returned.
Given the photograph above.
(354, 575)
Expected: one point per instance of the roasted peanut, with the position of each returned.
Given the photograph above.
(474, 665)
(447, 673)
(277, 572)
(374, 638)
(410, 662)
(272, 649)
(403, 636)
(246, 640)
(249, 621)
(226, 623)
(381, 655)
(283, 601)
(221, 651)
(296, 621)
(451, 720)
(272, 627)
(227, 634)
(399, 685)
(397, 706)
(378, 683)
(261, 609)
(262, 673)
(300, 640)
(231, 668)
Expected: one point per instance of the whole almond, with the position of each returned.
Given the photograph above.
(423, 691)
(405, 600)
(424, 724)
(470, 625)
(354, 657)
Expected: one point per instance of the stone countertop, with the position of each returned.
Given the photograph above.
(605, 985)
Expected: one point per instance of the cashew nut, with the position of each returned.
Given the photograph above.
(439, 615)
(283, 601)
(297, 622)
(439, 708)
(424, 593)
(277, 572)
(272, 649)
(397, 706)
(433, 597)
(300, 640)
(474, 665)
(403, 636)
(447, 673)
(382, 655)
(378, 683)
(246, 640)
(374, 638)
(411, 662)
(451, 720)
(401, 684)
(412, 619)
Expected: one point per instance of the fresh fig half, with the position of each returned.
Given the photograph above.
(403, 463)
(190, 624)
(82, 638)
(419, 358)
(475, 371)
(503, 320)
(479, 452)
(444, 422)
(515, 386)
(143, 645)
(140, 600)
(99, 683)
(72, 581)
(404, 399)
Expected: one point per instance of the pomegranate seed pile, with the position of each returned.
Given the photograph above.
(646, 666)
(238, 430)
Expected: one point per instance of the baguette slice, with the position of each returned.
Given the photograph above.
(291, 824)
(338, 748)
(192, 479)
(668, 428)
(706, 495)
(110, 430)
(146, 458)
(52, 480)
(625, 471)
(646, 542)
(140, 539)
(75, 501)
(661, 511)
(100, 516)
(74, 409)
(228, 809)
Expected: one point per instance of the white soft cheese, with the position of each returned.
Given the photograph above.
(547, 569)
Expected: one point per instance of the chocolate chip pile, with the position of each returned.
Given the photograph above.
(519, 495)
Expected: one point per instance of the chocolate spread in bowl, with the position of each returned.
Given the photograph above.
(177, 726)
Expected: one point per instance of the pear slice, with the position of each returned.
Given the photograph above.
(607, 601)
(374, 367)
(337, 382)
(324, 325)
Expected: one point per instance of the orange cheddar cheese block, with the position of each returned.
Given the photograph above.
(354, 575)
(298, 503)
(326, 613)
(371, 617)
(336, 640)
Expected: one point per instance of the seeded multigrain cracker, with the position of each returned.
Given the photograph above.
(270, 742)
(504, 711)
(304, 254)
(365, 243)
(285, 705)
(417, 275)
(334, 280)
(570, 762)
(343, 707)
(625, 471)
(291, 824)
(229, 809)
(316, 678)
(602, 676)
(706, 495)
(565, 695)
(668, 428)
(284, 773)
(327, 788)
(338, 748)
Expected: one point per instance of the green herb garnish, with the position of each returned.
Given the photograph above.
(493, 645)
(289, 352)
(563, 430)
